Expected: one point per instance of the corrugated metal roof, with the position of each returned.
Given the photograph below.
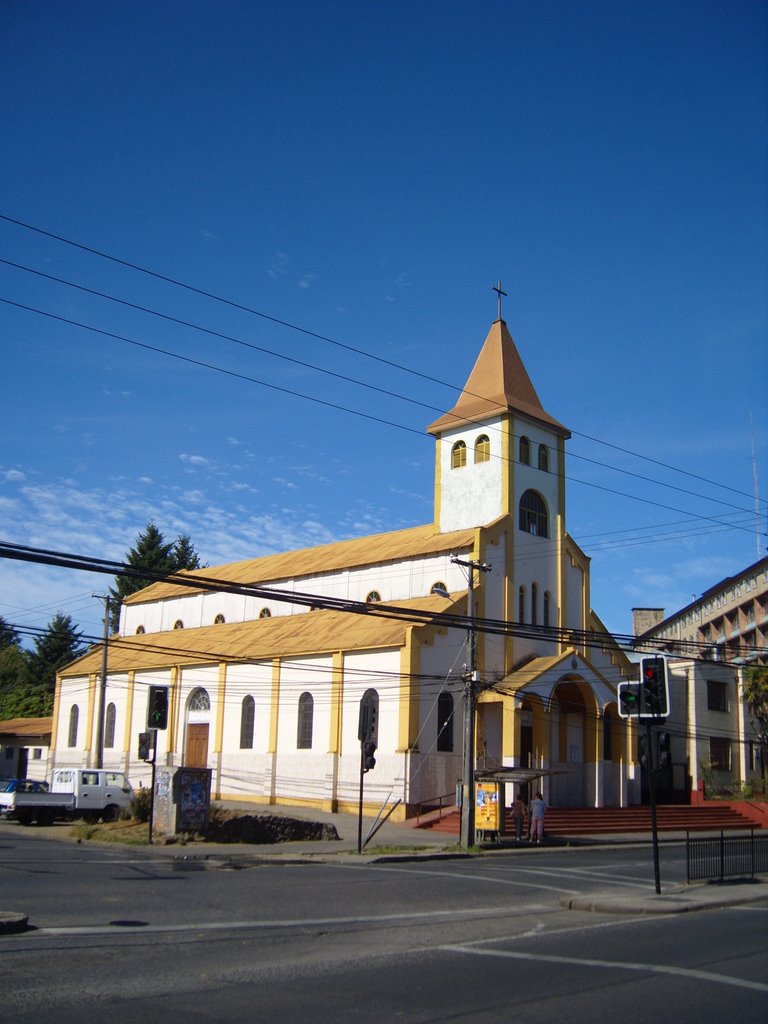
(414, 542)
(26, 726)
(306, 633)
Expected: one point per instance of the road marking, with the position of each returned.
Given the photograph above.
(492, 879)
(139, 927)
(682, 972)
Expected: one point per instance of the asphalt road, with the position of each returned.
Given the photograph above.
(121, 935)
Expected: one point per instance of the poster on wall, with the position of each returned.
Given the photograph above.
(193, 799)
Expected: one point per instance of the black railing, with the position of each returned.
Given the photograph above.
(716, 858)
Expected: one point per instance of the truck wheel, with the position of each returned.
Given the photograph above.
(24, 817)
(110, 813)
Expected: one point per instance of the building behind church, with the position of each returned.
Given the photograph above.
(266, 683)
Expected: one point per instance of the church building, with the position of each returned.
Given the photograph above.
(267, 667)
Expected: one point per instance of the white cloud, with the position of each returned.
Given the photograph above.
(13, 475)
(278, 268)
(194, 460)
(307, 280)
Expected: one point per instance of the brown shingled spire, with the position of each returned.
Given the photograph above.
(498, 383)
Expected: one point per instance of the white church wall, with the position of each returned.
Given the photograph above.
(74, 692)
(302, 773)
(472, 494)
(393, 581)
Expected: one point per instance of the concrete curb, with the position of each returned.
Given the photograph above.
(681, 900)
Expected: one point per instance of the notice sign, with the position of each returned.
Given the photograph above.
(487, 806)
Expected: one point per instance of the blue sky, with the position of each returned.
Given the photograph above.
(366, 172)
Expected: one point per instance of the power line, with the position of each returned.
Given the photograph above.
(199, 582)
(341, 408)
(324, 338)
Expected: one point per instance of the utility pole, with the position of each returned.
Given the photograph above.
(471, 679)
(102, 683)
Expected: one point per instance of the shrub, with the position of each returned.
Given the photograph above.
(140, 804)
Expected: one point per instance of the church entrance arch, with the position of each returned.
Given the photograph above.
(574, 715)
(198, 718)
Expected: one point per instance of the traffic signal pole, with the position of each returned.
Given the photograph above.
(470, 693)
(652, 765)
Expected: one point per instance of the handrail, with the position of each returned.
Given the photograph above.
(450, 801)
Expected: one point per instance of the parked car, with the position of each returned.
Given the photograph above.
(8, 787)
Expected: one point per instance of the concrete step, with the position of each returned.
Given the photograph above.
(563, 821)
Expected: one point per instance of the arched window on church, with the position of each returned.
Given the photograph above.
(445, 723)
(219, 620)
(247, 720)
(458, 455)
(525, 451)
(439, 589)
(534, 604)
(544, 458)
(178, 624)
(521, 605)
(533, 514)
(110, 717)
(373, 597)
(483, 448)
(545, 616)
(74, 718)
(304, 727)
(140, 631)
(265, 613)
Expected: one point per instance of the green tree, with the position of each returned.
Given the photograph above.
(56, 647)
(154, 555)
(756, 696)
(8, 635)
(13, 683)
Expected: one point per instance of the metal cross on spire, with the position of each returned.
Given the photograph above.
(497, 288)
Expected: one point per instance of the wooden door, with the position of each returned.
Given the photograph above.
(197, 746)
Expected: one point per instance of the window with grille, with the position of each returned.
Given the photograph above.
(533, 514)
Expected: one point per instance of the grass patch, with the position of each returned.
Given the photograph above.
(133, 833)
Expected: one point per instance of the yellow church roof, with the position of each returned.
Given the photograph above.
(498, 383)
(304, 633)
(360, 551)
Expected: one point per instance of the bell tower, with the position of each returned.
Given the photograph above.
(497, 444)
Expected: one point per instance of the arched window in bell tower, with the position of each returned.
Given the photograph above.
(483, 448)
(533, 514)
(544, 458)
(458, 455)
(525, 451)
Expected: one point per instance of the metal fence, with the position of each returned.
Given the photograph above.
(718, 857)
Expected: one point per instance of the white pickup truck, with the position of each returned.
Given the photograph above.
(90, 793)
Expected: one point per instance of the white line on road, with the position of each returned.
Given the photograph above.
(683, 972)
(492, 879)
(139, 928)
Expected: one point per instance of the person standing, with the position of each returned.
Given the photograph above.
(518, 817)
(537, 810)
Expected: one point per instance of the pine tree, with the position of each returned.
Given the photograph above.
(57, 646)
(8, 635)
(153, 554)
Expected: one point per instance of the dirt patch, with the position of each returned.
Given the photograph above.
(264, 829)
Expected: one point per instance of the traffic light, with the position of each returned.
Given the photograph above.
(157, 708)
(642, 751)
(654, 689)
(369, 761)
(629, 700)
(144, 746)
(665, 755)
